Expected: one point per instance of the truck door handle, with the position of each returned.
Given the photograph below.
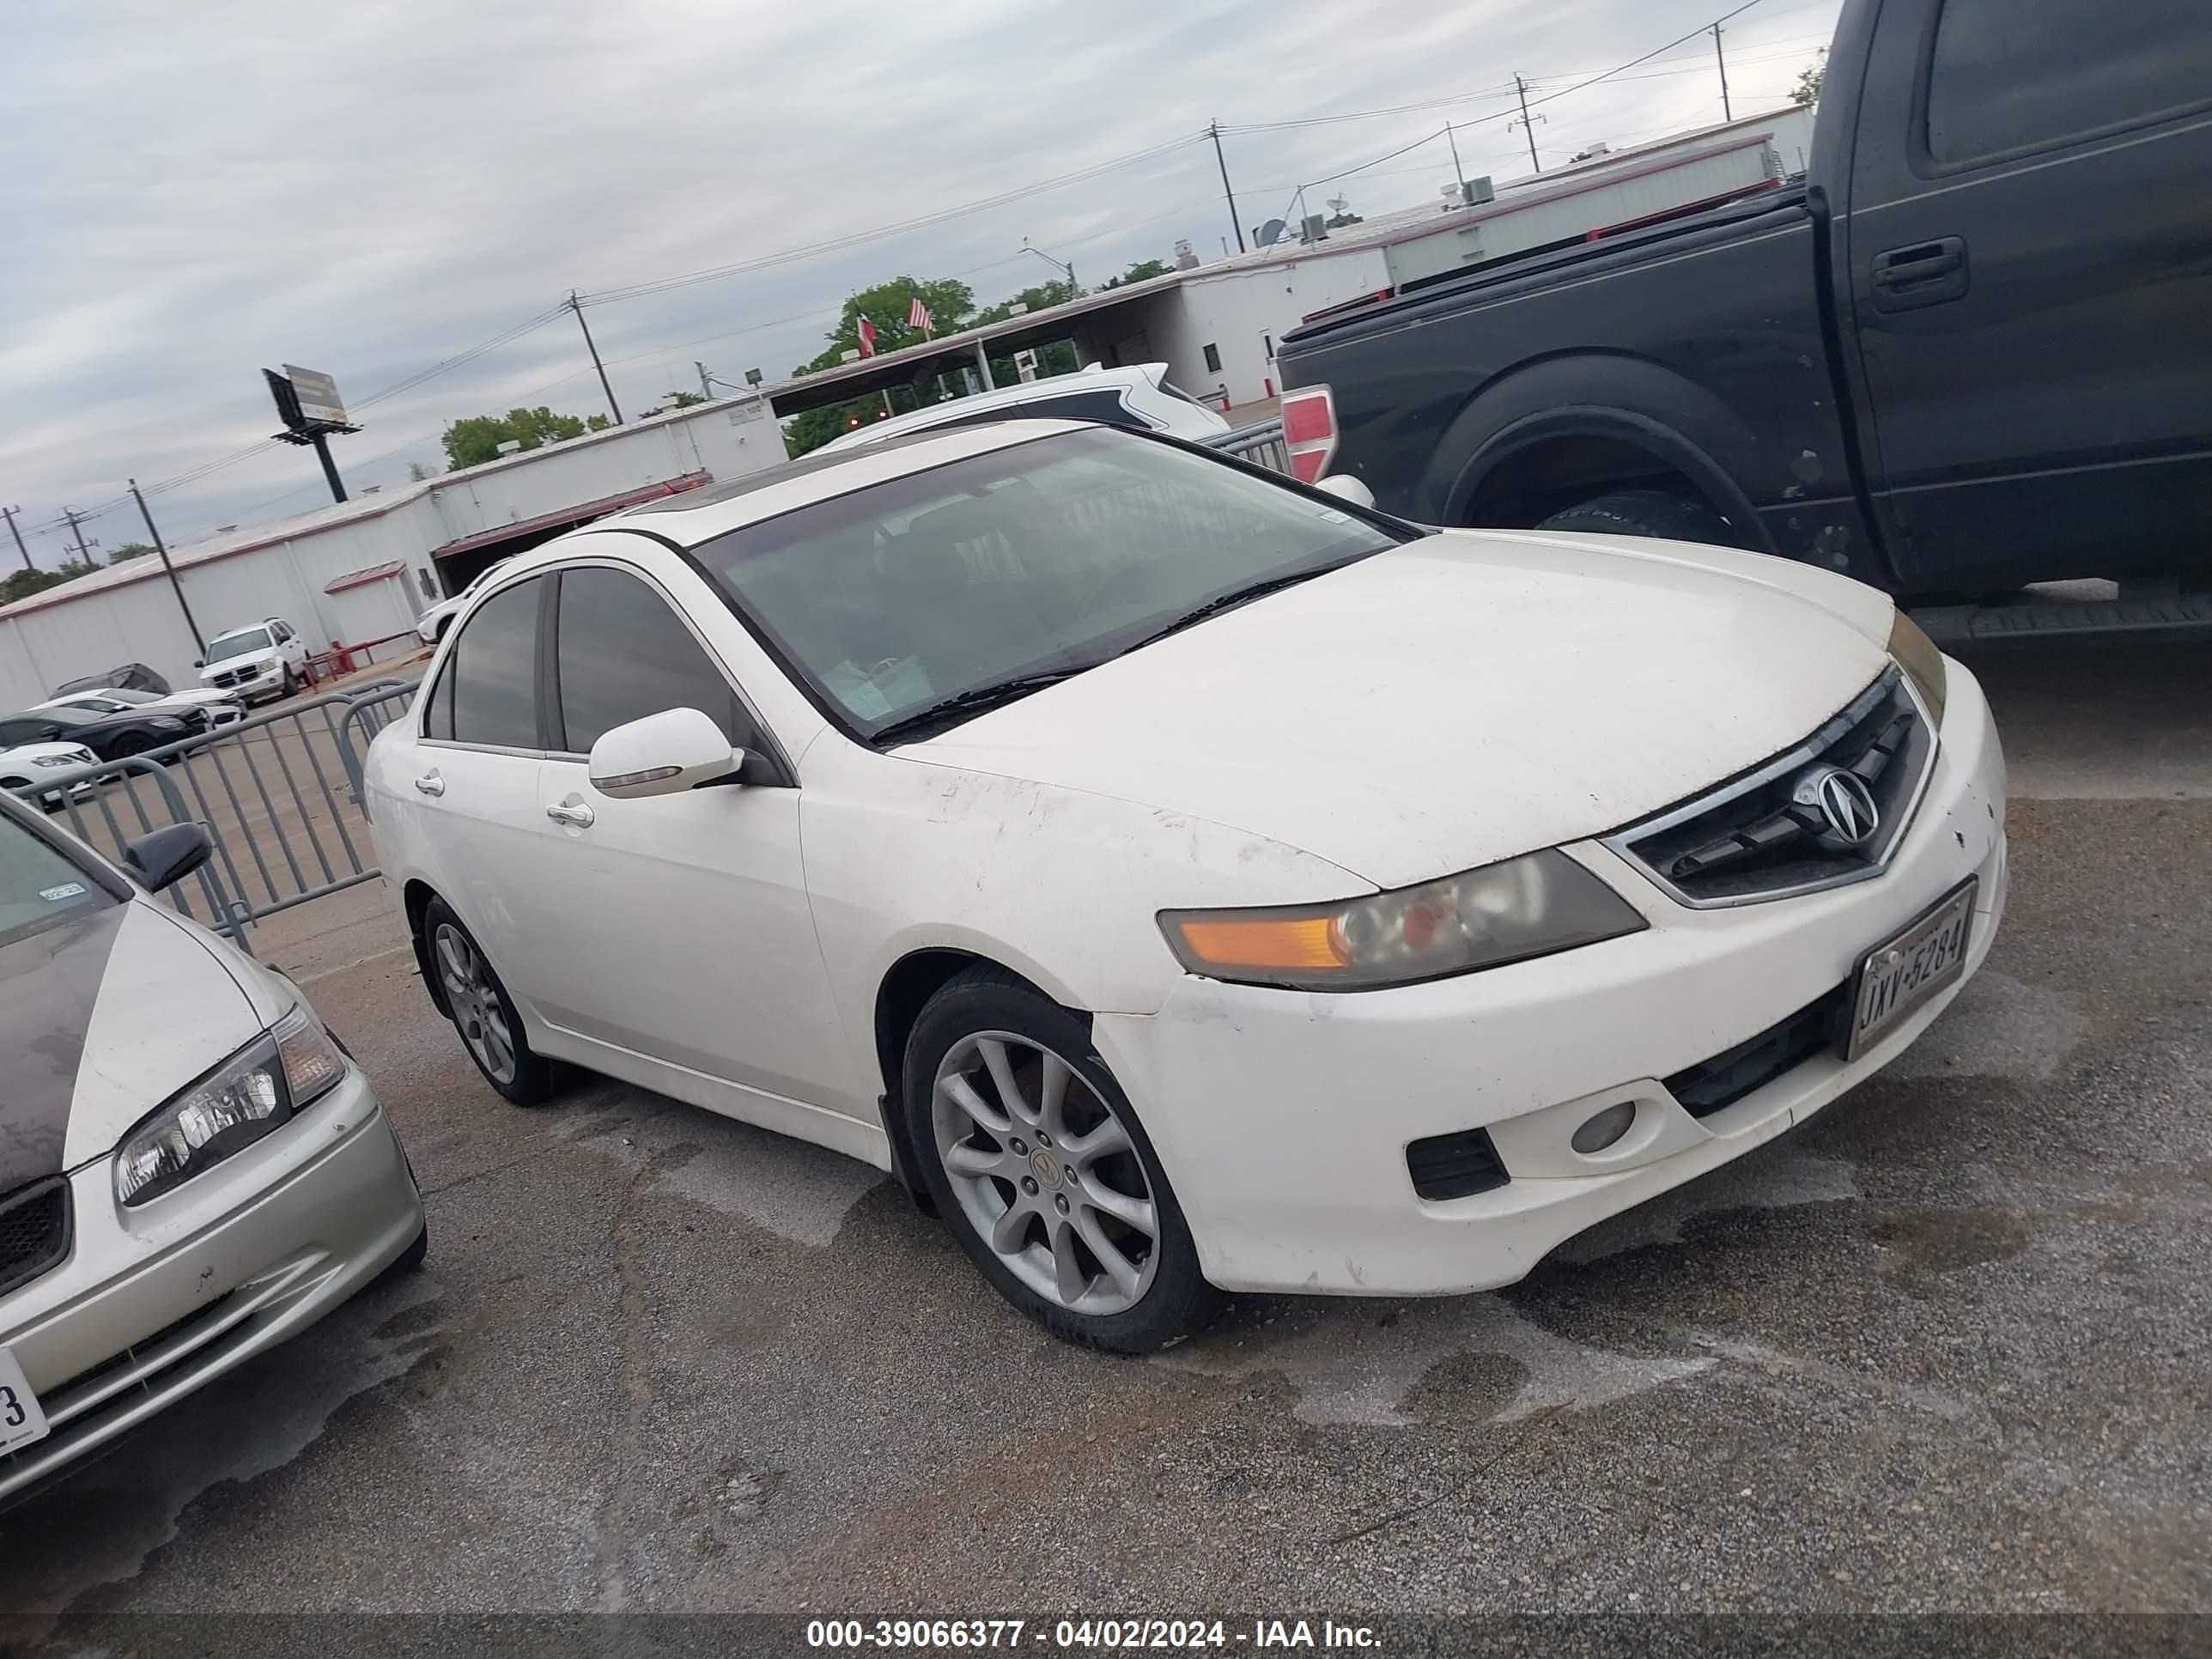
(572, 811)
(430, 783)
(1924, 274)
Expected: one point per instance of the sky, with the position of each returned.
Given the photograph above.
(192, 193)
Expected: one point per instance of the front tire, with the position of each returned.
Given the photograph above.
(482, 1012)
(1036, 1159)
(1659, 513)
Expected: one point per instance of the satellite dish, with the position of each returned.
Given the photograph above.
(1272, 233)
(1340, 204)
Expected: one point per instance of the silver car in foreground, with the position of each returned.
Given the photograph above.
(191, 1170)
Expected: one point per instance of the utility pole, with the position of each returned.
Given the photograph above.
(1213, 131)
(576, 306)
(8, 513)
(1523, 88)
(1459, 172)
(162, 548)
(706, 381)
(75, 521)
(1720, 57)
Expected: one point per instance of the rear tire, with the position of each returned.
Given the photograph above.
(1659, 513)
(482, 1012)
(1055, 1193)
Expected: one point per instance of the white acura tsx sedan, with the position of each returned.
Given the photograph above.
(1186, 880)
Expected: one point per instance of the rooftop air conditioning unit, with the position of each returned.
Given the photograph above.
(1479, 190)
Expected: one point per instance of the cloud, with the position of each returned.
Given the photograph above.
(196, 193)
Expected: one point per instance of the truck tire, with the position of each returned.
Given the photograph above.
(1655, 512)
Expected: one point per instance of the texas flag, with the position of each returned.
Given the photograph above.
(867, 338)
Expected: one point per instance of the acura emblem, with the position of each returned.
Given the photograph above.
(1849, 817)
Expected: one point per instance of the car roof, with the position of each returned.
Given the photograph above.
(699, 515)
(1095, 379)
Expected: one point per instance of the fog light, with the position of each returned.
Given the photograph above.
(1609, 1125)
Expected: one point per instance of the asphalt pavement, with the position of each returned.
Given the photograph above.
(1945, 1349)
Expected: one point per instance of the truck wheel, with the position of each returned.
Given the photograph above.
(1655, 513)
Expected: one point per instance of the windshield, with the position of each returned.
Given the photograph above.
(125, 696)
(237, 645)
(67, 715)
(37, 885)
(1055, 554)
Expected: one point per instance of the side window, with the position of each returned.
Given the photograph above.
(495, 671)
(623, 654)
(2011, 74)
(15, 731)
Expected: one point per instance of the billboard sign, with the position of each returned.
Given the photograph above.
(317, 394)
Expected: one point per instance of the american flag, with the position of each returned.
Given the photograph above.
(917, 316)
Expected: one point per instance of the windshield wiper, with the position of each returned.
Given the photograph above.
(973, 700)
(1230, 600)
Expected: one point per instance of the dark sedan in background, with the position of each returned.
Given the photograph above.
(111, 737)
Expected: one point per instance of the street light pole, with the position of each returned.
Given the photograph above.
(1058, 264)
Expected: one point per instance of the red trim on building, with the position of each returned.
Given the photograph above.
(362, 578)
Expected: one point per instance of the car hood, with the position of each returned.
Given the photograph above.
(1461, 699)
(103, 1018)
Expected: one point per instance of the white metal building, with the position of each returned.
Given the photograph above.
(364, 569)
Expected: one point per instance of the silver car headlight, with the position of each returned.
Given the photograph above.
(257, 1090)
(1527, 907)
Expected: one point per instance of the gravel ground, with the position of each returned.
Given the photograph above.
(1946, 1349)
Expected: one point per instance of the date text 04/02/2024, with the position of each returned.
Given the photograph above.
(1099, 1634)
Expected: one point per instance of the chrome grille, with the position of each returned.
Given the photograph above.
(1766, 834)
(34, 1231)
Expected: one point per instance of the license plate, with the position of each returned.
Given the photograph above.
(1907, 968)
(20, 1420)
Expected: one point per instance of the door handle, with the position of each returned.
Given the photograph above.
(572, 811)
(431, 784)
(1924, 274)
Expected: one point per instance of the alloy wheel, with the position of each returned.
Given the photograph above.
(478, 1013)
(1046, 1173)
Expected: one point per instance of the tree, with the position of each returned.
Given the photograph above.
(1141, 271)
(21, 583)
(477, 440)
(416, 472)
(128, 551)
(1808, 89)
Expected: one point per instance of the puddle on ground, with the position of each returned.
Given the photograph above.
(797, 1191)
(1351, 1367)
(1770, 1177)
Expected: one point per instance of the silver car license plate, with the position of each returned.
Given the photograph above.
(1910, 967)
(20, 1420)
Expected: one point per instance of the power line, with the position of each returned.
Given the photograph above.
(838, 244)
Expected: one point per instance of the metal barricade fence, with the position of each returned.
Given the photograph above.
(278, 793)
(1260, 443)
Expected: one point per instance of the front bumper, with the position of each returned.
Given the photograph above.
(1283, 1117)
(156, 1303)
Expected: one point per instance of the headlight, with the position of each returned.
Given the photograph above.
(1525, 906)
(255, 1090)
(1915, 653)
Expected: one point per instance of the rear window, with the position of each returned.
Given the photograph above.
(494, 671)
(2012, 75)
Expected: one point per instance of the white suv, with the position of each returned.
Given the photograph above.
(1138, 396)
(267, 660)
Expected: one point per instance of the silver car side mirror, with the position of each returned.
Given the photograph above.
(663, 754)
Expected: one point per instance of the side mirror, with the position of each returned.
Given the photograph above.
(167, 855)
(1345, 487)
(663, 754)
(197, 663)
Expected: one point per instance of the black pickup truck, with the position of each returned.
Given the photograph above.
(1972, 349)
